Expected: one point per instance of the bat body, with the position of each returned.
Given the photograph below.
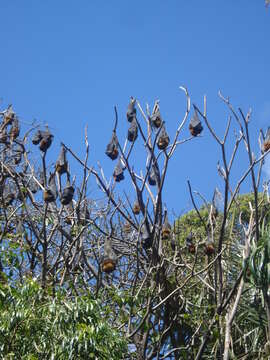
(136, 208)
(67, 195)
(163, 139)
(112, 147)
(195, 125)
(131, 110)
(133, 131)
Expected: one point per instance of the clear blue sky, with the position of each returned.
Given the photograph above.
(67, 63)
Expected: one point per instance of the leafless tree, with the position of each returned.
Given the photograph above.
(118, 245)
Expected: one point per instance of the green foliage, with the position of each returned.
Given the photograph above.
(34, 325)
(201, 303)
(241, 206)
(259, 261)
(191, 223)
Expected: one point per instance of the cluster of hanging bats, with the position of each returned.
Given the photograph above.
(50, 193)
(112, 151)
(13, 149)
(10, 131)
(195, 128)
